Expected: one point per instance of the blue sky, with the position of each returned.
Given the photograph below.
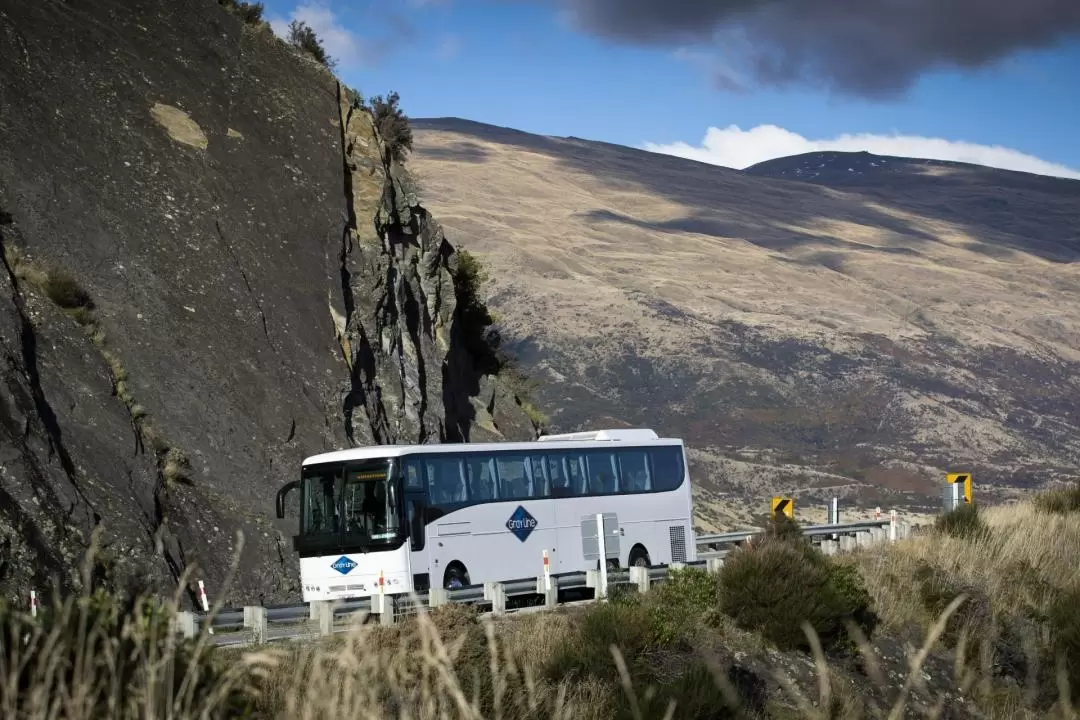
(522, 64)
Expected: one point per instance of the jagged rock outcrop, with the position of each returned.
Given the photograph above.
(188, 172)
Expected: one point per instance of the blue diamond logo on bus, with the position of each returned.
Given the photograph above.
(343, 565)
(521, 523)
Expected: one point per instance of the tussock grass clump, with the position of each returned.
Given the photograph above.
(962, 521)
(1017, 629)
(97, 654)
(1061, 501)
(65, 291)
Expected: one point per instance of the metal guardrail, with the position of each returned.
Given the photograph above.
(233, 618)
(808, 530)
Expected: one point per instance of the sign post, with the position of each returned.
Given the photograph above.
(834, 515)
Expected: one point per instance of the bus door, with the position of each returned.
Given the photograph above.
(415, 514)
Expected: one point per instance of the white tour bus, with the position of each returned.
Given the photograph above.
(460, 514)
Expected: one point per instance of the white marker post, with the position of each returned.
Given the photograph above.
(33, 603)
(602, 590)
(547, 572)
(892, 526)
(205, 605)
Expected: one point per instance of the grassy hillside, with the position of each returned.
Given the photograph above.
(858, 335)
(979, 618)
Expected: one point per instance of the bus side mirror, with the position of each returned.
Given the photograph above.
(285, 490)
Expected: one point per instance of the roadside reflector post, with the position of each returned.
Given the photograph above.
(601, 591)
(547, 572)
(255, 619)
(834, 515)
(551, 595)
(33, 603)
(185, 623)
(326, 618)
(205, 606)
(639, 575)
(892, 526)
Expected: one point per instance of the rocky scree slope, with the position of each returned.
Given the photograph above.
(211, 270)
(854, 341)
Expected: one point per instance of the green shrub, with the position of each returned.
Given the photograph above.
(475, 319)
(303, 37)
(678, 606)
(777, 584)
(1060, 501)
(964, 522)
(659, 672)
(251, 13)
(393, 125)
(65, 291)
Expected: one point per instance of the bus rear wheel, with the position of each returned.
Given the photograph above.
(456, 577)
(639, 556)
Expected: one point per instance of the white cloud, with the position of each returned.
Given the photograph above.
(340, 43)
(736, 148)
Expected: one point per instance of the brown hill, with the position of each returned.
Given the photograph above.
(856, 341)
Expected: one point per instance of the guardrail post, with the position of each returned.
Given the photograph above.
(640, 576)
(677, 566)
(714, 564)
(255, 618)
(383, 606)
(551, 593)
(862, 539)
(847, 543)
(313, 609)
(185, 623)
(592, 578)
(496, 593)
(326, 618)
(829, 547)
(437, 597)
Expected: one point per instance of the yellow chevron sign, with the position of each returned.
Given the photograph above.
(965, 478)
(785, 505)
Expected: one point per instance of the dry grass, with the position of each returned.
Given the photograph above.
(450, 663)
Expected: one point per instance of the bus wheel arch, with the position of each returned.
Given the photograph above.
(455, 576)
(639, 556)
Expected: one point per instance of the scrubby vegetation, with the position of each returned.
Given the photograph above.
(1000, 611)
(393, 125)
(303, 37)
(251, 13)
(483, 339)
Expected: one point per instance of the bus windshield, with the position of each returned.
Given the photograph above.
(355, 504)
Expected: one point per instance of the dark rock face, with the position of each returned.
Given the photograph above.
(187, 170)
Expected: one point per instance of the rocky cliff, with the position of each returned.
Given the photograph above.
(212, 268)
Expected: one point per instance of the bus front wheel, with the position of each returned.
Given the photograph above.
(456, 577)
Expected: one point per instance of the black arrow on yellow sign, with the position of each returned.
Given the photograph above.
(783, 505)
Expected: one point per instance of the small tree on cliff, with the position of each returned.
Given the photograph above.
(303, 37)
(393, 125)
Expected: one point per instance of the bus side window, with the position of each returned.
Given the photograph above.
(602, 478)
(481, 478)
(541, 480)
(513, 482)
(575, 472)
(634, 471)
(667, 467)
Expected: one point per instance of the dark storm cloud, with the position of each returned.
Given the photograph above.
(867, 47)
